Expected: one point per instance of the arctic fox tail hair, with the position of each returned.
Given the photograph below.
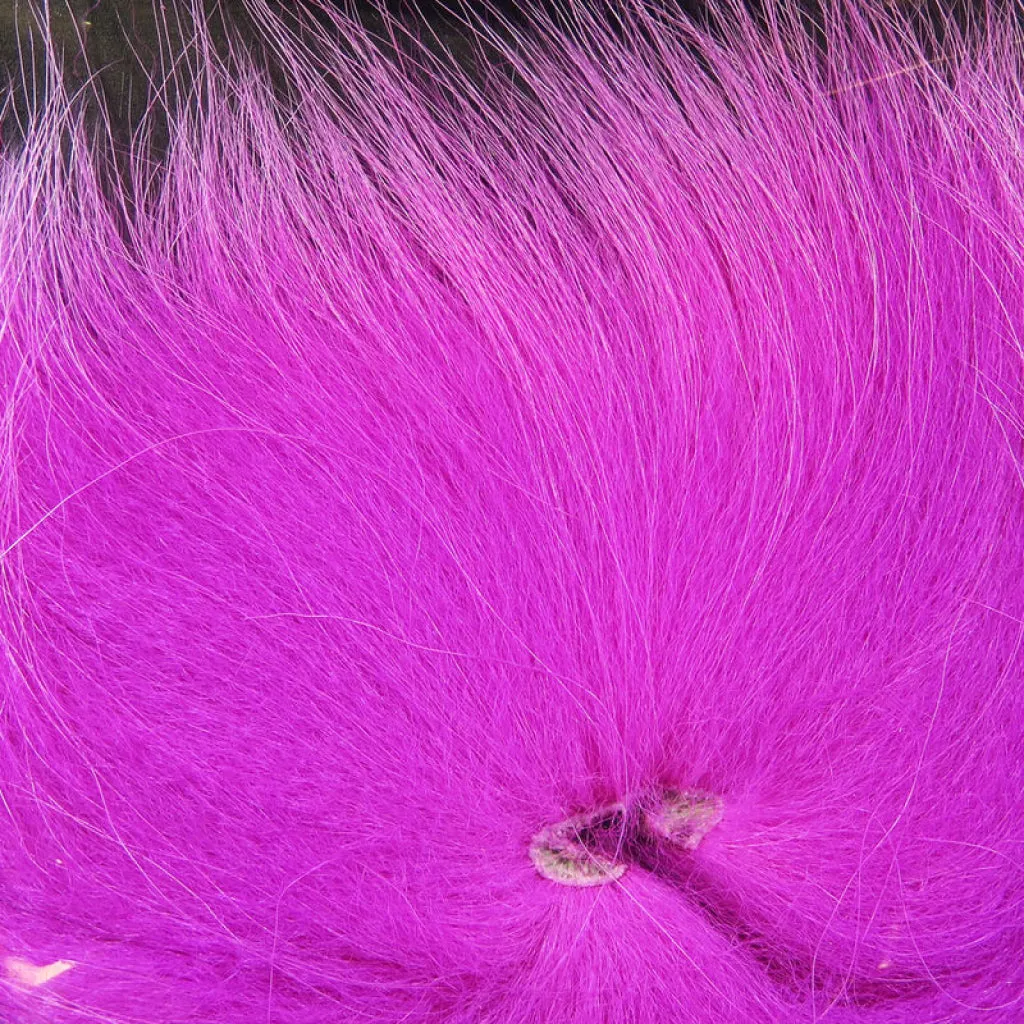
(526, 537)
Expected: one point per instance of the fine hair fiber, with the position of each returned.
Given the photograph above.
(517, 524)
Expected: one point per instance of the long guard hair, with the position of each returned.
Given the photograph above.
(523, 532)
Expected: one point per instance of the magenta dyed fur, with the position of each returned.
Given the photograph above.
(425, 466)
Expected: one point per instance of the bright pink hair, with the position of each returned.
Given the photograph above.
(536, 543)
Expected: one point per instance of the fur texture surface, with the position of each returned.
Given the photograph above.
(414, 463)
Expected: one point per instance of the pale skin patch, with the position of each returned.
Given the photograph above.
(595, 848)
(560, 852)
(28, 975)
(684, 817)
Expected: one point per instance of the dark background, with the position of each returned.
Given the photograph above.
(112, 53)
(102, 33)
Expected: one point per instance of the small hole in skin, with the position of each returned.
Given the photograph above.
(595, 848)
(580, 851)
(683, 817)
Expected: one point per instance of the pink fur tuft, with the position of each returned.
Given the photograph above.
(426, 491)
